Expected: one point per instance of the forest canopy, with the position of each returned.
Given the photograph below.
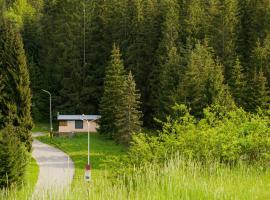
(186, 52)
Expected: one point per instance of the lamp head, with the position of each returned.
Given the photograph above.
(83, 116)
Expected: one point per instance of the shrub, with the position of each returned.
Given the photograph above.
(225, 137)
(13, 158)
(25, 137)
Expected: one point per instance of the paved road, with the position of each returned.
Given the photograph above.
(56, 169)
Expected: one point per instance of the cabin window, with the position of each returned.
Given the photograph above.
(78, 124)
(63, 123)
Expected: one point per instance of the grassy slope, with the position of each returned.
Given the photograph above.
(180, 179)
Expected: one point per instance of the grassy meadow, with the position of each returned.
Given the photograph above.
(103, 153)
(177, 179)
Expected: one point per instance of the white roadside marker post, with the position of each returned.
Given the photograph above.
(88, 166)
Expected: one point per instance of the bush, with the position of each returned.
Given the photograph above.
(13, 158)
(225, 137)
(25, 137)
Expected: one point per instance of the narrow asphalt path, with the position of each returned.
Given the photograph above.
(56, 169)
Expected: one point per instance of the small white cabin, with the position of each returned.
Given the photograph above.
(77, 123)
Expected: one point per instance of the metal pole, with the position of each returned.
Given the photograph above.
(84, 35)
(88, 143)
(51, 112)
(51, 127)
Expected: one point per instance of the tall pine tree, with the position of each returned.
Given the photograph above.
(140, 55)
(237, 84)
(98, 49)
(166, 73)
(129, 117)
(258, 90)
(113, 96)
(204, 81)
(222, 34)
(15, 99)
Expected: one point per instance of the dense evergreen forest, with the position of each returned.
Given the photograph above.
(168, 77)
(191, 52)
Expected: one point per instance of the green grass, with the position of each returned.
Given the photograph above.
(32, 171)
(43, 127)
(31, 176)
(178, 179)
(103, 153)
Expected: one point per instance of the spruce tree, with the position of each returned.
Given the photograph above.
(140, 55)
(237, 83)
(197, 21)
(113, 96)
(254, 25)
(62, 54)
(222, 31)
(259, 93)
(203, 80)
(15, 99)
(166, 73)
(98, 50)
(13, 159)
(261, 57)
(129, 116)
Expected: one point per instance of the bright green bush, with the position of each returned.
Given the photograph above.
(223, 136)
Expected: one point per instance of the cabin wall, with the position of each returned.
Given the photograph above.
(93, 126)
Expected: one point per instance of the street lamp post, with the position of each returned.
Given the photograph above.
(51, 127)
(88, 166)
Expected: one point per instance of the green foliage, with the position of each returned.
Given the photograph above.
(140, 55)
(166, 74)
(259, 92)
(15, 99)
(14, 158)
(227, 137)
(113, 96)
(178, 178)
(261, 57)
(238, 84)
(158, 39)
(28, 186)
(19, 11)
(223, 23)
(254, 25)
(98, 49)
(128, 118)
(203, 80)
(62, 54)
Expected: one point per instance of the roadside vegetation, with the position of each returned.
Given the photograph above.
(104, 154)
(176, 178)
(25, 191)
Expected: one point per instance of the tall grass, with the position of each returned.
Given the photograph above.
(182, 179)
(178, 179)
